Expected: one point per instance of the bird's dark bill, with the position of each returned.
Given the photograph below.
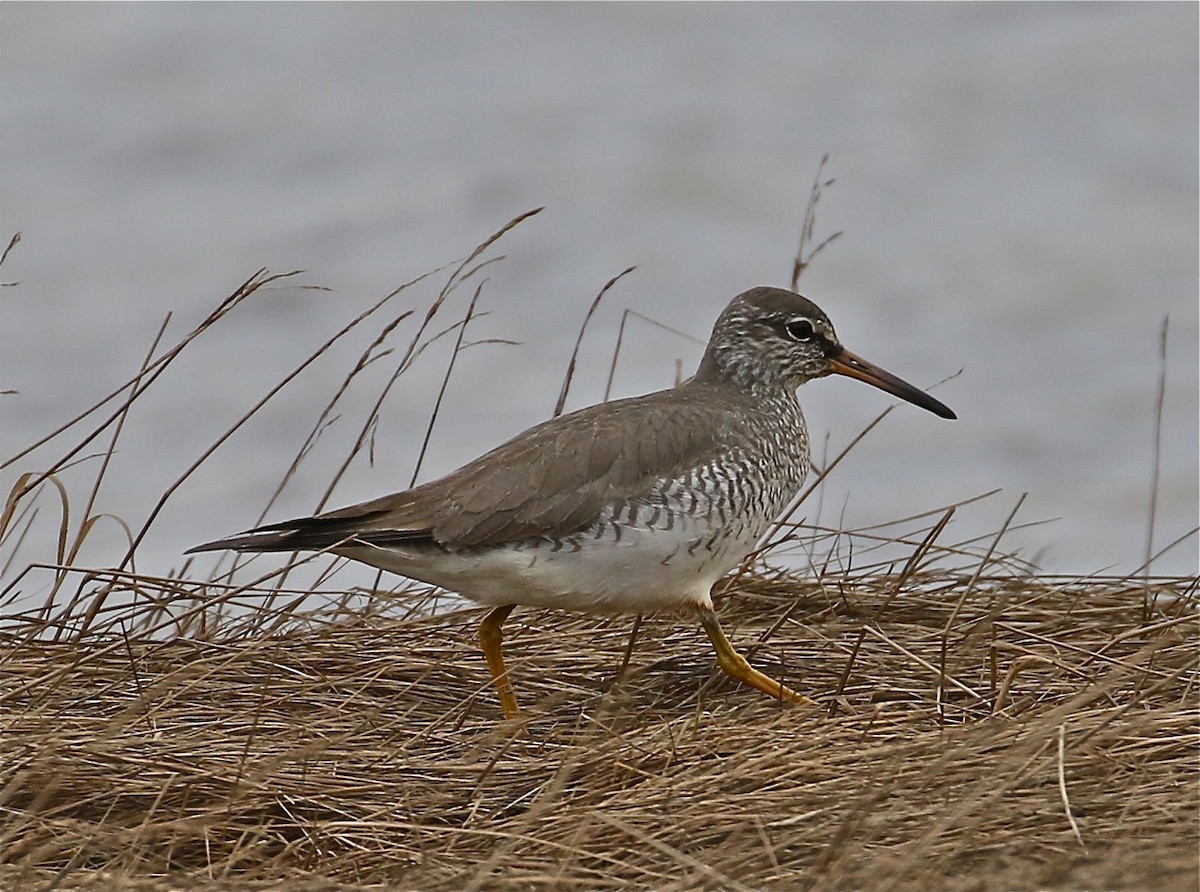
(846, 363)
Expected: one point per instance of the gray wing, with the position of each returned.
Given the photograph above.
(555, 478)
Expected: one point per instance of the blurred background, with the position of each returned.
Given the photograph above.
(1016, 183)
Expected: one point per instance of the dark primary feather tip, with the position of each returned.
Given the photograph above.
(313, 533)
(273, 537)
(249, 541)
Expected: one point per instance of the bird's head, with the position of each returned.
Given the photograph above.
(769, 337)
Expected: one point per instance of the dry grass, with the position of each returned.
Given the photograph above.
(1035, 733)
(980, 728)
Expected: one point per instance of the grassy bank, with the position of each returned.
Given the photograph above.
(1006, 734)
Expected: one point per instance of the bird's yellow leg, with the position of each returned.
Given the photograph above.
(489, 641)
(735, 664)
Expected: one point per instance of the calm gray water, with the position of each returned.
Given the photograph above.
(1017, 185)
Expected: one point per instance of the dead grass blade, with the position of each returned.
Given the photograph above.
(570, 373)
(802, 259)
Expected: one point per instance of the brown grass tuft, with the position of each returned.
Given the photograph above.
(367, 752)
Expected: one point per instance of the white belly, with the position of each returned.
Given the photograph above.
(644, 570)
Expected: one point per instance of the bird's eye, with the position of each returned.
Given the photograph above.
(800, 330)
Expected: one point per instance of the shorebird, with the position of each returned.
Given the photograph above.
(635, 505)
